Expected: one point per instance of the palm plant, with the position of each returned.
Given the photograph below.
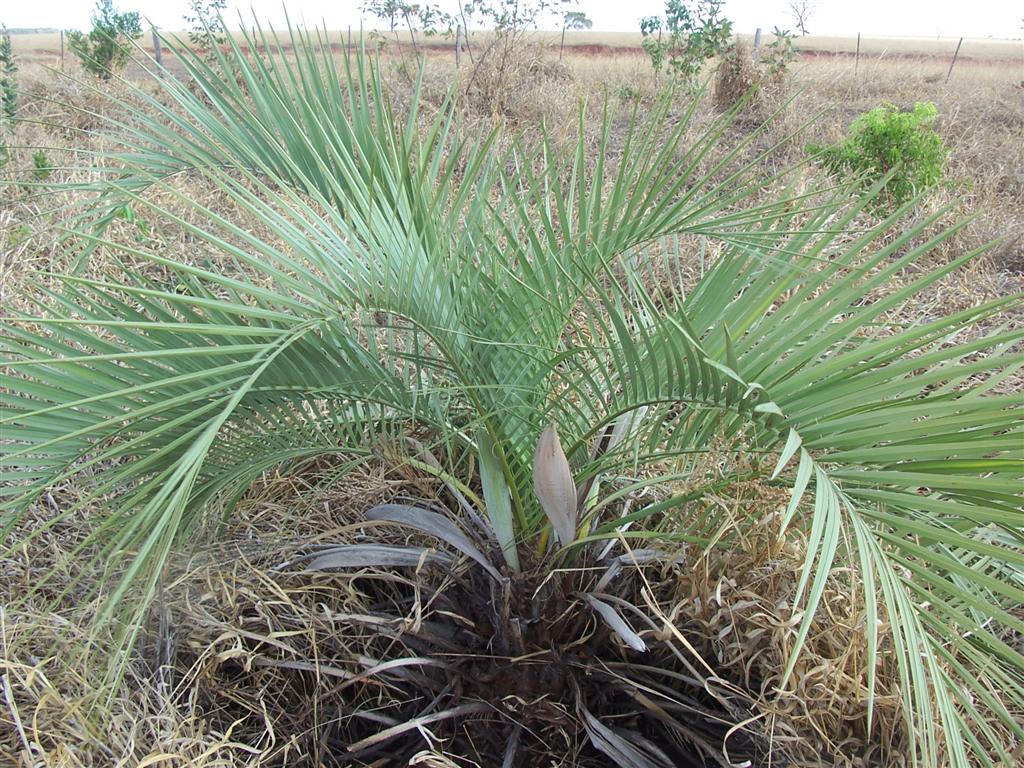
(528, 318)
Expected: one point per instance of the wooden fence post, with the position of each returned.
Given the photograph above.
(62, 49)
(955, 54)
(856, 61)
(757, 46)
(158, 53)
(458, 45)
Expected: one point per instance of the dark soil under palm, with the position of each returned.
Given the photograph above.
(520, 673)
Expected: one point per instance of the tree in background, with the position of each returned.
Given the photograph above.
(573, 20)
(515, 15)
(507, 18)
(501, 63)
(801, 11)
(691, 33)
(206, 27)
(427, 17)
(105, 48)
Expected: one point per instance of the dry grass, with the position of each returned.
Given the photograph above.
(742, 602)
(209, 689)
(981, 121)
(248, 663)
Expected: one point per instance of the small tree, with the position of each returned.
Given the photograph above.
(801, 11)
(692, 32)
(427, 17)
(206, 27)
(515, 15)
(498, 67)
(510, 18)
(8, 80)
(573, 20)
(105, 48)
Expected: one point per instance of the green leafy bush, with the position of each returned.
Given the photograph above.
(888, 140)
(105, 48)
(127, 214)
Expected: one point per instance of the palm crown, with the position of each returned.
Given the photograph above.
(412, 277)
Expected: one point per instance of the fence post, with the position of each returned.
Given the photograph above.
(62, 49)
(757, 46)
(856, 61)
(955, 54)
(157, 51)
(458, 45)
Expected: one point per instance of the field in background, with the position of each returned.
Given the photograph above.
(44, 47)
(981, 107)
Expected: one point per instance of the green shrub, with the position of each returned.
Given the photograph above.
(888, 140)
(8, 82)
(779, 53)
(40, 166)
(18, 235)
(105, 48)
(627, 93)
(127, 214)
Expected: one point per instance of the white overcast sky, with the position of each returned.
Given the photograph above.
(920, 18)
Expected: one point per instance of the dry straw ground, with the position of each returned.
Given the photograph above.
(233, 669)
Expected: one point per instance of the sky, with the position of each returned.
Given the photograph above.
(917, 18)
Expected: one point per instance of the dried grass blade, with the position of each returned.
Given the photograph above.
(390, 733)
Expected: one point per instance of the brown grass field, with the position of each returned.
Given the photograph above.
(52, 709)
(985, 49)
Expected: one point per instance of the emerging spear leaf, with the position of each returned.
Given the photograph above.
(552, 482)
